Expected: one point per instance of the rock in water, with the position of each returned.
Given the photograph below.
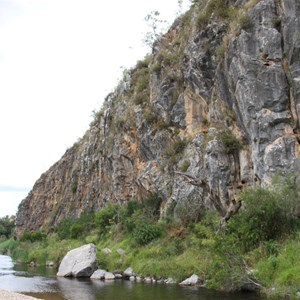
(194, 279)
(99, 274)
(79, 262)
(128, 272)
(109, 276)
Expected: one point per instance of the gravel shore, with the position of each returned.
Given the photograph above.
(5, 295)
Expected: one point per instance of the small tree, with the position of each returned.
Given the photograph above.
(266, 216)
(156, 25)
(188, 210)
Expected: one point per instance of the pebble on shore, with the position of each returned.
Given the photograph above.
(5, 295)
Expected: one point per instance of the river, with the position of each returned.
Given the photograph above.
(41, 282)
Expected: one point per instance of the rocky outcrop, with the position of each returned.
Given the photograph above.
(213, 109)
(79, 262)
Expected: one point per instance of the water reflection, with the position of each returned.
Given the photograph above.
(75, 289)
(16, 280)
(42, 283)
(6, 266)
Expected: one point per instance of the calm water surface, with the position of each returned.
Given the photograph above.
(42, 283)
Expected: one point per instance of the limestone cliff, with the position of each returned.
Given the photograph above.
(213, 109)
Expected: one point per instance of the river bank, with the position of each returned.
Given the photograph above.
(38, 283)
(5, 295)
(258, 248)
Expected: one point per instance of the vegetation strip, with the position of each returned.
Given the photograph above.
(258, 249)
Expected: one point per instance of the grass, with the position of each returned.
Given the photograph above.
(221, 256)
(217, 9)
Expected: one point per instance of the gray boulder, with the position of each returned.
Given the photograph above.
(79, 262)
(98, 274)
(121, 251)
(148, 279)
(109, 276)
(128, 272)
(170, 281)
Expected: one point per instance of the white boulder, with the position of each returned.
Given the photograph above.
(79, 262)
(194, 279)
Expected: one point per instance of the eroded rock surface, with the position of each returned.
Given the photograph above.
(79, 262)
(212, 111)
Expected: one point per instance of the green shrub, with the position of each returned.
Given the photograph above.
(33, 236)
(188, 210)
(170, 59)
(156, 68)
(185, 165)
(7, 226)
(142, 82)
(217, 8)
(107, 216)
(245, 22)
(150, 117)
(177, 147)
(76, 227)
(175, 247)
(231, 143)
(281, 269)
(74, 187)
(140, 79)
(202, 19)
(131, 207)
(144, 233)
(144, 63)
(264, 217)
(76, 230)
(8, 246)
(175, 150)
(63, 229)
(140, 98)
(220, 53)
(277, 22)
(161, 124)
(151, 205)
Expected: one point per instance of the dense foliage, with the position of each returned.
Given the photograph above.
(7, 226)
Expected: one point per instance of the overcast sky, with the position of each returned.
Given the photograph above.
(58, 61)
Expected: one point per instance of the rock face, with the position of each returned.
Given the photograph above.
(214, 109)
(79, 262)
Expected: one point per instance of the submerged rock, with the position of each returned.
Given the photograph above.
(79, 262)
